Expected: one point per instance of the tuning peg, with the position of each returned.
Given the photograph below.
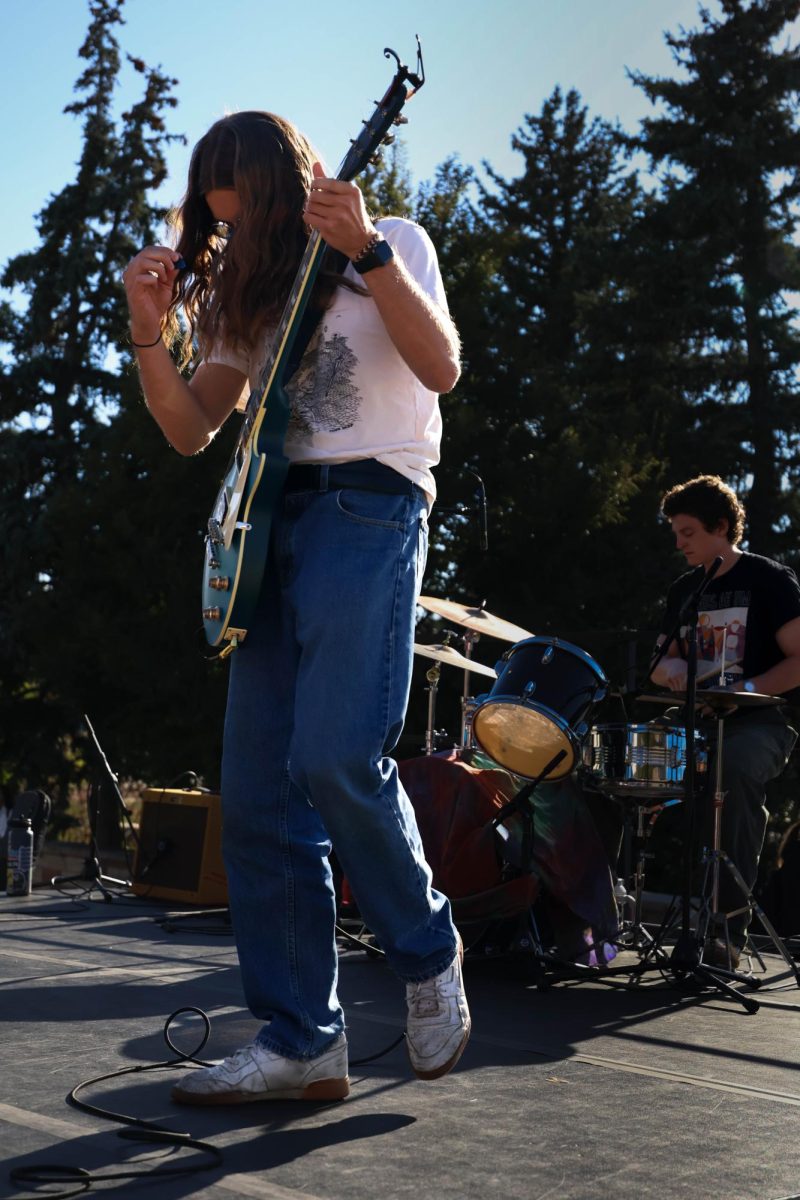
(400, 120)
(387, 141)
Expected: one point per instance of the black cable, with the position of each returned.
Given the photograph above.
(140, 1130)
(146, 1132)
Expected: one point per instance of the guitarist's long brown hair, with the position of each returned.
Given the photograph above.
(232, 292)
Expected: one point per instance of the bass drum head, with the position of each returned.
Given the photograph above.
(523, 738)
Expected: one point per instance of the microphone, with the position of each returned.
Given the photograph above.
(481, 497)
(691, 602)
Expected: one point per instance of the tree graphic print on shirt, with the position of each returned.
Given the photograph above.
(322, 394)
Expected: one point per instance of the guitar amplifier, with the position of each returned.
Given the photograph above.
(180, 847)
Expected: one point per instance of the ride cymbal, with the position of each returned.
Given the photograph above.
(474, 618)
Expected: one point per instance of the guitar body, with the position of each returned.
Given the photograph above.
(234, 565)
(239, 528)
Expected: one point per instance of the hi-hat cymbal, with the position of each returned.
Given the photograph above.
(474, 618)
(716, 698)
(447, 654)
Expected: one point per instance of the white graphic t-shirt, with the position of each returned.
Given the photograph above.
(353, 395)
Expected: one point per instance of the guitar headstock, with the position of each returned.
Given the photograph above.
(376, 131)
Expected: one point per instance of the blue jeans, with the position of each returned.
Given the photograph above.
(316, 702)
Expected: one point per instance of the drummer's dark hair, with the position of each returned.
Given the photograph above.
(710, 500)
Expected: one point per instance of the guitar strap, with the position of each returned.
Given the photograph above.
(335, 262)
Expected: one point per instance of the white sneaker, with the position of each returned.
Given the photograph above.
(255, 1073)
(438, 1023)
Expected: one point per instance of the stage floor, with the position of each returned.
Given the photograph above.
(579, 1092)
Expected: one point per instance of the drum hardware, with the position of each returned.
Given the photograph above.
(711, 922)
(444, 653)
(686, 959)
(432, 676)
(633, 933)
(471, 637)
(545, 689)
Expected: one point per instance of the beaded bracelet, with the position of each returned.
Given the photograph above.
(370, 245)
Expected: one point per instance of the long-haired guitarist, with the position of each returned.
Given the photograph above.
(319, 686)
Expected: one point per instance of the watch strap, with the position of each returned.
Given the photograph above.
(376, 253)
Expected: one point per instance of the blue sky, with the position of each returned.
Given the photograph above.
(488, 62)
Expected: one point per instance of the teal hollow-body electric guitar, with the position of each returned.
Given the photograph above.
(238, 531)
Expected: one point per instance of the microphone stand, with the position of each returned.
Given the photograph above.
(480, 507)
(686, 957)
(92, 874)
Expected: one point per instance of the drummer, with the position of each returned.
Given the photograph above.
(748, 640)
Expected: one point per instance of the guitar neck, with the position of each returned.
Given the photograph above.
(286, 332)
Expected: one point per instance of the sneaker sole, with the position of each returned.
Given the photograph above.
(319, 1090)
(438, 1072)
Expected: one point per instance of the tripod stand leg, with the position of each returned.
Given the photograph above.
(754, 908)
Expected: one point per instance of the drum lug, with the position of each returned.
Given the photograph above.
(548, 655)
(529, 689)
(581, 730)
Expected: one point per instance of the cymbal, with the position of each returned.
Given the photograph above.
(717, 698)
(447, 654)
(474, 618)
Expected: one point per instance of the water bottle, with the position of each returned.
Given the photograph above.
(621, 898)
(20, 856)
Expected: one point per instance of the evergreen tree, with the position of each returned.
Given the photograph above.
(386, 182)
(98, 527)
(549, 408)
(727, 144)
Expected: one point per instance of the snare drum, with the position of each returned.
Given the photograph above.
(538, 707)
(647, 761)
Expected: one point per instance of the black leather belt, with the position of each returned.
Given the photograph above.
(365, 473)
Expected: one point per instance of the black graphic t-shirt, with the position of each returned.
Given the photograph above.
(738, 616)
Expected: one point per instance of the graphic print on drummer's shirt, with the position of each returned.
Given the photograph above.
(721, 637)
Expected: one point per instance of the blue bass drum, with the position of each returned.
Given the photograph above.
(538, 707)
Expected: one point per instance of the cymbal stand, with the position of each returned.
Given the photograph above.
(432, 675)
(470, 637)
(710, 917)
(686, 958)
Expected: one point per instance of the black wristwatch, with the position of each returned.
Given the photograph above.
(376, 253)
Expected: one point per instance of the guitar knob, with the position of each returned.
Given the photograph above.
(220, 583)
(212, 614)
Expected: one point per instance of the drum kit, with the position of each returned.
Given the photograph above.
(536, 722)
